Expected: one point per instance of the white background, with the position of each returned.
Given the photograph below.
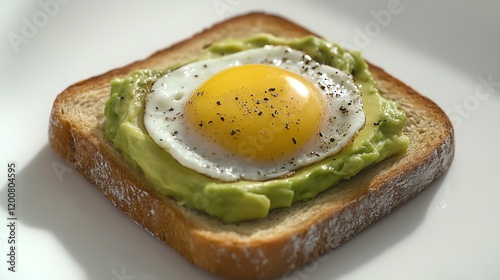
(447, 50)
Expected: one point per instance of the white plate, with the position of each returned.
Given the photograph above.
(66, 229)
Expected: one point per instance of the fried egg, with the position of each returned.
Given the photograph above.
(256, 115)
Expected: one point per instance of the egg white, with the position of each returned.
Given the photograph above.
(165, 121)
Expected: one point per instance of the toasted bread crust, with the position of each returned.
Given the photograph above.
(289, 238)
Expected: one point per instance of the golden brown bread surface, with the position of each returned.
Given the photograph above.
(289, 238)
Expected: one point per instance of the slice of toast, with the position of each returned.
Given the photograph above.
(288, 238)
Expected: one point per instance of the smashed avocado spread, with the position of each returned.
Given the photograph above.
(380, 138)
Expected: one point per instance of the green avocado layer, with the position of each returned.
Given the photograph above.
(381, 137)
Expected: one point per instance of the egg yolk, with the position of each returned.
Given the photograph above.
(261, 112)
